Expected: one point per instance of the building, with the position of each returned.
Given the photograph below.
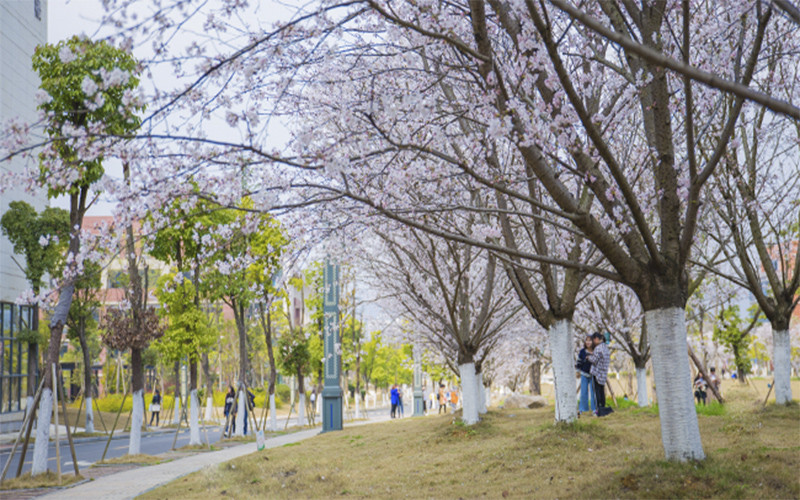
(23, 26)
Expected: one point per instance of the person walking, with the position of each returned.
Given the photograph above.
(453, 399)
(155, 407)
(230, 411)
(584, 368)
(700, 389)
(395, 400)
(600, 358)
(442, 400)
(714, 380)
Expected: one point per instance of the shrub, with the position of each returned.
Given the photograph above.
(282, 393)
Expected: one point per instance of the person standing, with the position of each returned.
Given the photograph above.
(313, 409)
(155, 407)
(395, 400)
(700, 389)
(442, 400)
(453, 399)
(584, 367)
(230, 412)
(400, 401)
(714, 380)
(600, 358)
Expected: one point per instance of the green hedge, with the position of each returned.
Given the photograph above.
(112, 402)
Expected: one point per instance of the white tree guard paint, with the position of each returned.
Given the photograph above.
(89, 427)
(561, 349)
(137, 417)
(481, 394)
(194, 418)
(28, 405)
(488, 396)
(273, 418)
(41, 445)
(209, 410)
(240, 414)
(358, 407)
(781, 361)
(680, 433)
(301, 410)
(176, 418)
(641, 387)
(469, 393)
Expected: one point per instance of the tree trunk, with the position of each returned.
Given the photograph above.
(561, 350)
(238, 312)
(33, 360)
(469, 393)
(781, 361)
(240, 418)
(481, 394)
(641, 386)
(137, 390)
(88, 391)
(301, 398)
(266, 324)
(209, 389)
(194, 405)
(176, 418)
(680, 433)
(536, 378)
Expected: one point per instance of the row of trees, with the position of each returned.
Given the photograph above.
(542, 148)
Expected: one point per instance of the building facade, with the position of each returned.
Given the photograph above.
(23, 26)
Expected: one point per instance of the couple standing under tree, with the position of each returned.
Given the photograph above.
(593, 361)
(397, 402)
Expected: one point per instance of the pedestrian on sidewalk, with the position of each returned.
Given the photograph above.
(442, 400)
(453, 399)
(155, 407)
(230, 411)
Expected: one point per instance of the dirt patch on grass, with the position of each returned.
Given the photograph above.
(521, 454)
(140, 459)
(46, 480)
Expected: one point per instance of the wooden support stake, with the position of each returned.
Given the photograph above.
(69, 434)
(100, 414)
(77, 417)
(26, 424)
(111, 435)
(768, 393)
(55, 414)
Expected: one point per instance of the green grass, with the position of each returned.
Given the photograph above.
(753, 452)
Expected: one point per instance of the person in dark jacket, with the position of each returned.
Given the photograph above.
(584, 367)
(230, 410)
(155, 407)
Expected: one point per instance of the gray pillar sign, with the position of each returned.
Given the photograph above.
(418, 395)
(332, 391)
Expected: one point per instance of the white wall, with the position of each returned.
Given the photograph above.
(20, 33)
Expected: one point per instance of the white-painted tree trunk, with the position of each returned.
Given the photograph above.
(273, 418)
(137, 416)
(469, 393)
(358, 407)
(89, 427)
(176, 418)
(240, 414)
(194, 418)
(301, 410)
(488, 396)
(28, 405)
(481, 394)
(41, 445)
(561, 350)
(781, 361)
(680, 433)
(209, 409)
(641, 387)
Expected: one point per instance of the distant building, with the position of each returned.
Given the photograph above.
(23, 26)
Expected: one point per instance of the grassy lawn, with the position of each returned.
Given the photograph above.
(752, 453)
(46, 480)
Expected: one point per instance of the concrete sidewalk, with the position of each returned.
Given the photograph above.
(134, 482)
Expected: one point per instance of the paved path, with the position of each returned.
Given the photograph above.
(130, 483)
(134, 482)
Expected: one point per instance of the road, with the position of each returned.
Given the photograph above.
(89, 451)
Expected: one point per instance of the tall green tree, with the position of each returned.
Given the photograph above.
(731, 331)
(41, 239)
(76, 74)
